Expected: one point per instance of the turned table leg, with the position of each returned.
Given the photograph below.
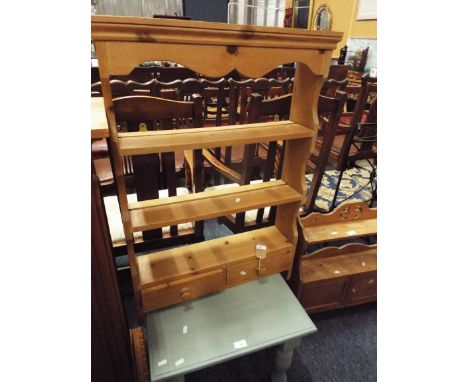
(283, 359)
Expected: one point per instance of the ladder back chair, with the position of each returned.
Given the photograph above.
(329, 111)
(360, 145)
(331, 86)
(155, 175)
(338, 72)
(257, 165)
(240, 91)
(349, 120)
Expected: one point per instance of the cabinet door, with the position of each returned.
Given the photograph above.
(363, 288)
(323, 295)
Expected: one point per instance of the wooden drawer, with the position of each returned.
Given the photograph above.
(363, 287)
(247, 270)
(181, 290)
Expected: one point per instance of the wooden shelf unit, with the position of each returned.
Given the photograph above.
(213, 49)
(336, 277)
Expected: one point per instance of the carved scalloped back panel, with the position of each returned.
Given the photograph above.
(346, 212)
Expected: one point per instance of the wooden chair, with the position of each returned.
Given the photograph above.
(121, 88)
(240, 91)
(252, 160)
(96, 89)
(331, 86)
(168, 90)
(335, 277)
(343, 52)
(349, 120)
(95, 77)
(99, 148)
(338, 72)
(360, 145)
(281, 72)
(329, 111)
(155, 175)
(128, 88)
(363, 94)
(214, 95)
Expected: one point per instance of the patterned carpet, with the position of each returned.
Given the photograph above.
(353, 180)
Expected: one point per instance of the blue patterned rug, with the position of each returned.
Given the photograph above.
(353, 180)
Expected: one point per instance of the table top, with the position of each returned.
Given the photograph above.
(224, 325)
(99, 127)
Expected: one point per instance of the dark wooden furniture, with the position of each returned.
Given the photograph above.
(363, 60)
(335, 277)
(342, 58)
(157, 174)
(258, 161)
(111, 352)
(331, 86)
(349, 120)
(138, 74)
(240, 91)
(329, 110)
(214, 96)
(94, 74)
(360, 144)
(121, 88)
(338, 72)
(169, 74)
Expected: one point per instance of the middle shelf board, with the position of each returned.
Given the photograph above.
(148, 142)
(158, 213)
(171, 264)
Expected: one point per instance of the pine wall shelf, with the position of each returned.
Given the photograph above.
(213, 49)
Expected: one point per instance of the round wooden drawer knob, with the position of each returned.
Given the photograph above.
(185, 294)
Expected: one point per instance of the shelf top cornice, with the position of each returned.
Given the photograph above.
(141, 29)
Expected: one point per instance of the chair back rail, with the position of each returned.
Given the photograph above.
(331, 86)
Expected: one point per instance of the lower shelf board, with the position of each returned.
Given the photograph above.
(172, 276)
(337, 266)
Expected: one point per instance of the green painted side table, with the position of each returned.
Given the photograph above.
(226, 325)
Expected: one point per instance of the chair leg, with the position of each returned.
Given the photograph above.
(374, 197)
(336, 191)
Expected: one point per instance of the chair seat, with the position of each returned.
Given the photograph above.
(114, 218)
(250, 216)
